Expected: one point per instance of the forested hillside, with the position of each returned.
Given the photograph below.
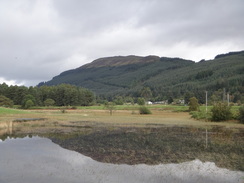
(163, 77)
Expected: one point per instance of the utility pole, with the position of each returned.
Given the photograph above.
(206, 102)
(228, 98)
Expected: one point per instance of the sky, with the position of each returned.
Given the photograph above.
(39, 39)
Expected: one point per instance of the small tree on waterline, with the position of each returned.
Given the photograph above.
(110, 106)
(193, 104)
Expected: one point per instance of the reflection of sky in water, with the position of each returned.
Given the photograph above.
(39, 160)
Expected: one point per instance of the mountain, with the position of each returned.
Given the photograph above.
(128, 75)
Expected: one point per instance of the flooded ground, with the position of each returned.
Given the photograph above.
(157, 144)
(143, 144)
(40, 160)
(92, 146)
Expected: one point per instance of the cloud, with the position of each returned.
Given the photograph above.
(42, 38)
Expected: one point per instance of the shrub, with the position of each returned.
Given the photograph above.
(241, 115)
(144, 110)
(221, 112)
(200, 115)
(193, 104)
(63, 111)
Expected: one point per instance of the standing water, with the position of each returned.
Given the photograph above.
(40, 160)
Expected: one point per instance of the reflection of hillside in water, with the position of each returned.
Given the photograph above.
(150, 144)
(157, 144)
(39, 160)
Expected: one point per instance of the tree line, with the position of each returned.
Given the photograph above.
(59, 95)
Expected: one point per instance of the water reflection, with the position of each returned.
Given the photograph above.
(6, 128)
(40, 160)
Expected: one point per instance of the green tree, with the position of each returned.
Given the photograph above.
(49, 102)
(11, 93)
(35, 92)
(193, 104)
(28, 104)
(3, 89)
(20, 93)
(221, 112)
(46, 92)
(65, 95)
(141, 101)
(86, 97)
(129, 99)
(118, 100)
(170, 100)
(28, 98)
(146, 93)
(4, 101)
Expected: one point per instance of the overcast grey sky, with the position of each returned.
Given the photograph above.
(39, 39)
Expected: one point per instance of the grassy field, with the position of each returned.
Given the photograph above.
(122, 115)
(9, 111)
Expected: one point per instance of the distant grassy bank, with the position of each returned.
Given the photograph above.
(10, 111)
(174, 108)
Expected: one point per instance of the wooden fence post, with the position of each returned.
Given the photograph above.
(206, 140)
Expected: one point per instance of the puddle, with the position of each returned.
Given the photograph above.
(28, 119)
(40, 160)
